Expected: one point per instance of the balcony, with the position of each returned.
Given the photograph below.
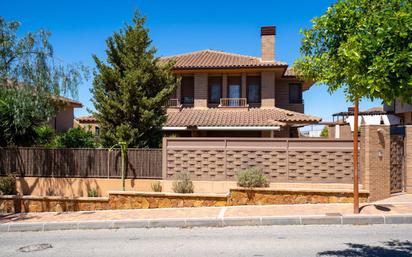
(233, 102)
(173, 102)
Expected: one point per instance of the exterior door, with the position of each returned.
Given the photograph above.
(397, 159)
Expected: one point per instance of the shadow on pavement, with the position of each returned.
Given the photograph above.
(393, 248)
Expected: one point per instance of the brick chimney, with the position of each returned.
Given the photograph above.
(267, 37)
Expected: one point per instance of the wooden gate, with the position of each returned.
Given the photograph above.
(397, 162)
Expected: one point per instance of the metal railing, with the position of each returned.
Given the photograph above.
(233, 102)
(173, 102)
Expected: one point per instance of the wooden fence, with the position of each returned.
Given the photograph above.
(83, 163)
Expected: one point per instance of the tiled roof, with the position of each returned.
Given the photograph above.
(209, 59)
(69, 101)
(374, 109)
(243, 117)
(86, 119)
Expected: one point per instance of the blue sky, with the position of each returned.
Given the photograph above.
(80, 28)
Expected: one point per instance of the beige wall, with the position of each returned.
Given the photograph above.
(63, 120)
(344, 131)
(76, 187)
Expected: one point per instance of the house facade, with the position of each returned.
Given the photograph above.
(231, 95)
(88, 123)
(400, 109)
(63, 120)
(342, 125)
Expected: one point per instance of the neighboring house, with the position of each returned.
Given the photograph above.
(402, 110)
(343, 122)
(226, 94)
(89, 123)
(63, 121)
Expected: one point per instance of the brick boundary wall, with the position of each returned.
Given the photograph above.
(375, 160)
(282, 160)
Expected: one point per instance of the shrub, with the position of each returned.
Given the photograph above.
(157, 186)
(8, 185)
(44, 135)
(75, 138)
(183, 184)
(252, 177)
(92, 192)
(324, 132)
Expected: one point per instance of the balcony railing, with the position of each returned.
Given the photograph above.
(233, 102)
(173, 102)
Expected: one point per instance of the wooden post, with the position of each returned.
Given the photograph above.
(355, 160)
(123, 148)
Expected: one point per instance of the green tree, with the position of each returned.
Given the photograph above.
(324, 132)
(130, 89)
(365, 47)
(75, 138)
(30, 78)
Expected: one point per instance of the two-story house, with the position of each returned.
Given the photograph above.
(233, 95)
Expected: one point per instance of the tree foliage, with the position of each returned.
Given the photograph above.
(30, 78)
(363, 45)
(74, 138)
(324, 132)
(130, 88)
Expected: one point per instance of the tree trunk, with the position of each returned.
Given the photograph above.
(355, 160)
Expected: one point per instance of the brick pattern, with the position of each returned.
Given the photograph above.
(396, 163)
(279, 165)
(282, 97)
(268, 47)
(201, 90)
(202, 165)
(322, 166)
(375, 160)
(268, 89)
(273, 163)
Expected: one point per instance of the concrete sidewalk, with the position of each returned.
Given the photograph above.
(395, 210)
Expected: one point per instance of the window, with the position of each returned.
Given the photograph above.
(253, 90)
(234, 85)
(295, 93)
(187, 90)
(97, 131)
(215, 89)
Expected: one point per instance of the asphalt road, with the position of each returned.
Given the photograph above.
(364, 241)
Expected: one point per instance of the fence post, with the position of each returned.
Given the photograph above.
(225, 151)
(287, 158)
(108, 163)
(164, 157)
(375, 160)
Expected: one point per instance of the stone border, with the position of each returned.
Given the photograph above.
(168, 194)
(209, 222)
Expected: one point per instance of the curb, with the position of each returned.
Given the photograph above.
(209, 222)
